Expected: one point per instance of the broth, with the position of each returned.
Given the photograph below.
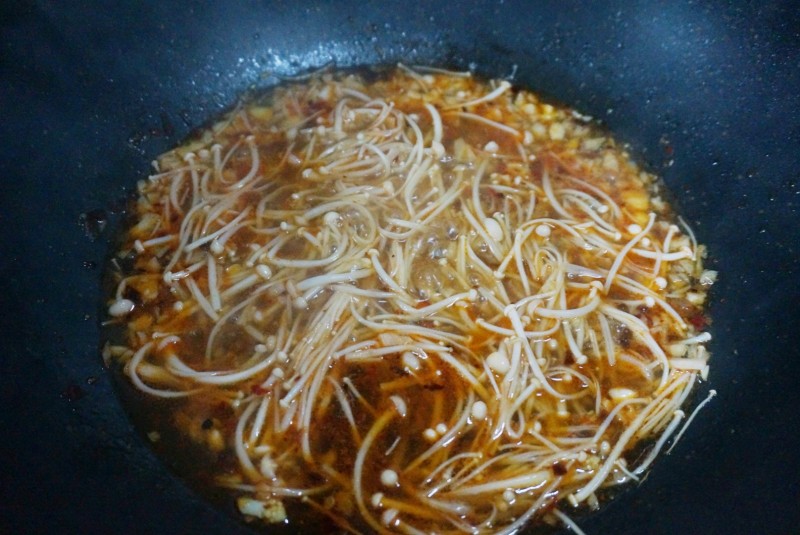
(419, 303)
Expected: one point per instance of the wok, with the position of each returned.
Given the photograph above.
(90, 92)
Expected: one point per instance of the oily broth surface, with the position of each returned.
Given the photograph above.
(422, 302)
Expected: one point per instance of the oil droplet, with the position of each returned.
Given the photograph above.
(93, 223)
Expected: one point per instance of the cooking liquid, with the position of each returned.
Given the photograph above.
(406, 414)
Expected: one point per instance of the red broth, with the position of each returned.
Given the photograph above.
(423, 303)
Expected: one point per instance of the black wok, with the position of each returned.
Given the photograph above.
(90, 92)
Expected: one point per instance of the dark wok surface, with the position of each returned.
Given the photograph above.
(91, 92)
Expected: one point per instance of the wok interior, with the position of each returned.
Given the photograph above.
(704, 94)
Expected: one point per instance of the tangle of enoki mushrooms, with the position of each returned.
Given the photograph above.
(428, 303)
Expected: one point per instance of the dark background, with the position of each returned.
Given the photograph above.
(705, 92)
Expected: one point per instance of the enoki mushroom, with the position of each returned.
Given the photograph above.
(423, 303)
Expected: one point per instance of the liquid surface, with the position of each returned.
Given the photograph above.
(421, 303)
